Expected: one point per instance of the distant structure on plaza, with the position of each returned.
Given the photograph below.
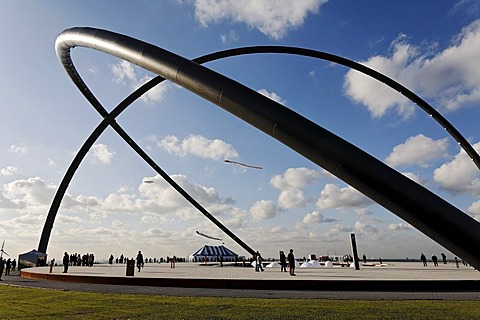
(427, 212)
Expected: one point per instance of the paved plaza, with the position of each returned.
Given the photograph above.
(395, 280)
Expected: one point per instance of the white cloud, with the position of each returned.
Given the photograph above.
(18, 149)
(469, 8)
(412, 176)
(92, 68)
(295, 178)
(125, 73)
(290, 185)
(231, 36)
(272, 18)
(8, 171)
(199, 146)
(157, 233)
(51, 163)
(237, 221)
(68, 219)
(365, 228)
(35, 195)
(292, 198)
(121, 202)
(474, 210)
(273, 96)
(160, 197)
(32, 194)
(459, 175)
(316, 217)
(399, 226)
(6, 203)
(333, 196)
(118, 225)
(263, 210)
(446, 77)
(376, 96)
(100, 153)
(418, 150)
(337, 230)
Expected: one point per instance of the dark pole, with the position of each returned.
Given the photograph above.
(354, 251)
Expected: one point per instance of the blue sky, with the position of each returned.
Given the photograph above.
(431, 47)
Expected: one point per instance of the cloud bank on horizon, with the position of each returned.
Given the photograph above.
(291, 202)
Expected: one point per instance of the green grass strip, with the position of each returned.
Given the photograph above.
(30, 303)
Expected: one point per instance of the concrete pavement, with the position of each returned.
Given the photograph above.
(397, 280)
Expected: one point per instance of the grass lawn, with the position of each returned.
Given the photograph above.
(29, 303)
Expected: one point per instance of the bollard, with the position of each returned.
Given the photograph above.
(130, 267)
(51, 264)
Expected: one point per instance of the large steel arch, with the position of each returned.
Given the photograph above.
(435, 217)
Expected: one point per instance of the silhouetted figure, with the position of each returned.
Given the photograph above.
(8, 266)
(14, 265)
(283, 262)
(110, 260)
(2, 265)
(444, 258)
(364, 259)
(291, 262)
(435, 261)
(258, 262)
(140, 261)
(423, 259)
(65, 261)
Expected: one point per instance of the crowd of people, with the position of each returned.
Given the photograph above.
(435, 260)
(76, 259)
(285, 261)
(123, 259)
(8, 265)
(86, 260)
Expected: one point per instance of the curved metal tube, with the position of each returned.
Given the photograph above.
(436, 218)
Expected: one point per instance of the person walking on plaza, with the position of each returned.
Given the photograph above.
(139, 260)
(65, 261)
(423, 259)
(283, 262)
(444, 258)
(258, 262)
(8, 267)
(291, 262)
(435, 260)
